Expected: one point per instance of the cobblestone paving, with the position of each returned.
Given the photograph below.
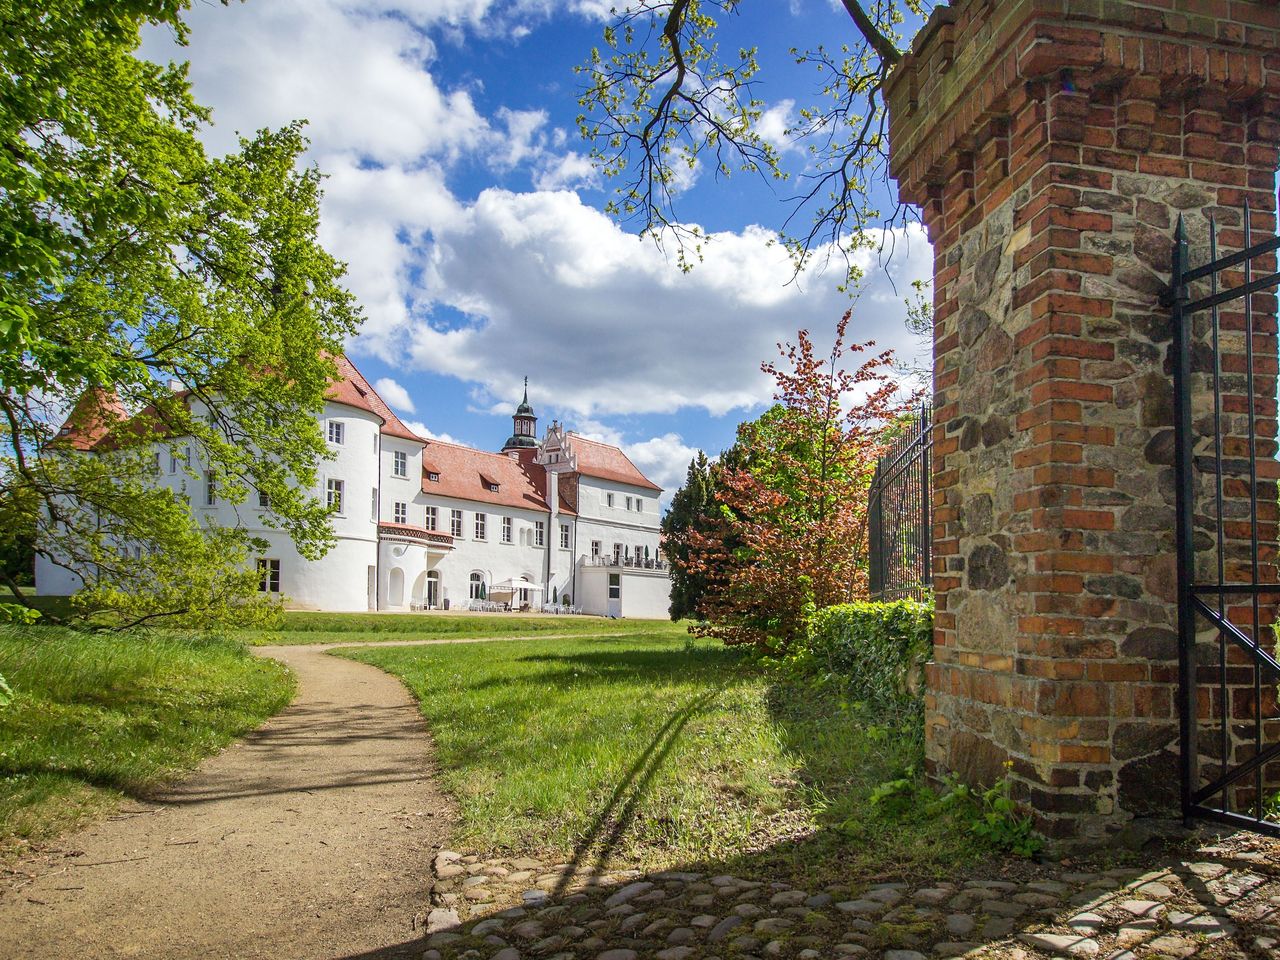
(1220, 902)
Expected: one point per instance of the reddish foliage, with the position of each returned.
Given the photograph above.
(791, 532)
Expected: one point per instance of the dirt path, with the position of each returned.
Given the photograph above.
(311, 839)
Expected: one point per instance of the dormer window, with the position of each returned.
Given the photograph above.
(493, 488)
(433, 477)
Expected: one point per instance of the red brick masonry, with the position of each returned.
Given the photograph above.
(1051, 145)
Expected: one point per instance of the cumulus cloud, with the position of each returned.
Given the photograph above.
(566, 171)
(449, 283)
(619, 328)
(664, 460)
(358, 75)
(774, 124)
(394, 394)
(422, 430)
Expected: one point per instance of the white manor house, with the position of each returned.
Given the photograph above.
(424, 524)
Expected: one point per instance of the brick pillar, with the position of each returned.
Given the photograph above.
(1051, 147)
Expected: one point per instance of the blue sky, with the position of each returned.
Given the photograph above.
(460, 195)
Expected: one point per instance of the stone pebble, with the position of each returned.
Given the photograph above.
(564, 914)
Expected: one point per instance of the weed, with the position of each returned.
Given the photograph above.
(991, 814)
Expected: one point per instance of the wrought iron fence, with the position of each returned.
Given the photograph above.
(898, 526)
(1224, 325)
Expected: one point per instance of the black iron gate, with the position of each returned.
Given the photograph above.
(898, 527)
(1224, 324)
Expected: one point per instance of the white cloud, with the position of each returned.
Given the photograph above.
(394, 394)
(422, 430)
(774, 124)
(566, 171)
(524, 137)
(356, 73)
(664, 460)
(608, 324)
(613, 326)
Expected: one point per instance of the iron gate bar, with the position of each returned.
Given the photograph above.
(1241, 639)
(899, 514)
(1252, 765)
(1216, 265)
(1184, 531)
(1262, 588)
(1192, 596)
(1235, 293)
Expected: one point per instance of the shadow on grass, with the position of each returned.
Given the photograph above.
(957, 903)
(610, 825)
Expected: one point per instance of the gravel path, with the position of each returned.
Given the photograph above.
(312, 838)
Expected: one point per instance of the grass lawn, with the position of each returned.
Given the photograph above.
(655, 750)
(98, 717)
(304, 627)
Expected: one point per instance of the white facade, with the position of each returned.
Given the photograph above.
(424, 524)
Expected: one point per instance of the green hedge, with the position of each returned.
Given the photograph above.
(876, 651)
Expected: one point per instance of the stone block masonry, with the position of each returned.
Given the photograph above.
(1051, 146)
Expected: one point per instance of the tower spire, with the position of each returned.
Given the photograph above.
(524, 424)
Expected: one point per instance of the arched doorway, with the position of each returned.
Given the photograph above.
(433, 589)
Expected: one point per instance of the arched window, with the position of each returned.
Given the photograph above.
(477, 586)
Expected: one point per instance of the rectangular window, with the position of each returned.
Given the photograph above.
(615, 586)
(628, 503)
(173, 462)
(336, 431)
(401, 467)
(373, 504)
(617, 553)
(506, 529)
(269, 576)
(264, 501)
(401, 511)
(333, 495)
(539, 533)
(564, 536)
(432, 518)
(210, 489)
(639, 504)
(595, 549)
(157, 461)
(482, 521)
(455, 522)
(608, 499)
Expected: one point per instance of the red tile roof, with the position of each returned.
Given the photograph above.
(466, 474)
(607, 462)
(95, 414)
(354, 390)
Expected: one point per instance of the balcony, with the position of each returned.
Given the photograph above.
(407, 533)
(628, 563)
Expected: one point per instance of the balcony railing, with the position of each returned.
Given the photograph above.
(404, 531)
(629, 563)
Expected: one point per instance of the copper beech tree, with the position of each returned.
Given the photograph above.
(790, 532)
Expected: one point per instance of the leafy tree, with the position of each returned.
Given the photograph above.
(662, 98)
(791, 532)
(129, 261)
(693, 507)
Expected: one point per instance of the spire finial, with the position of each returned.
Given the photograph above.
(526, 389)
